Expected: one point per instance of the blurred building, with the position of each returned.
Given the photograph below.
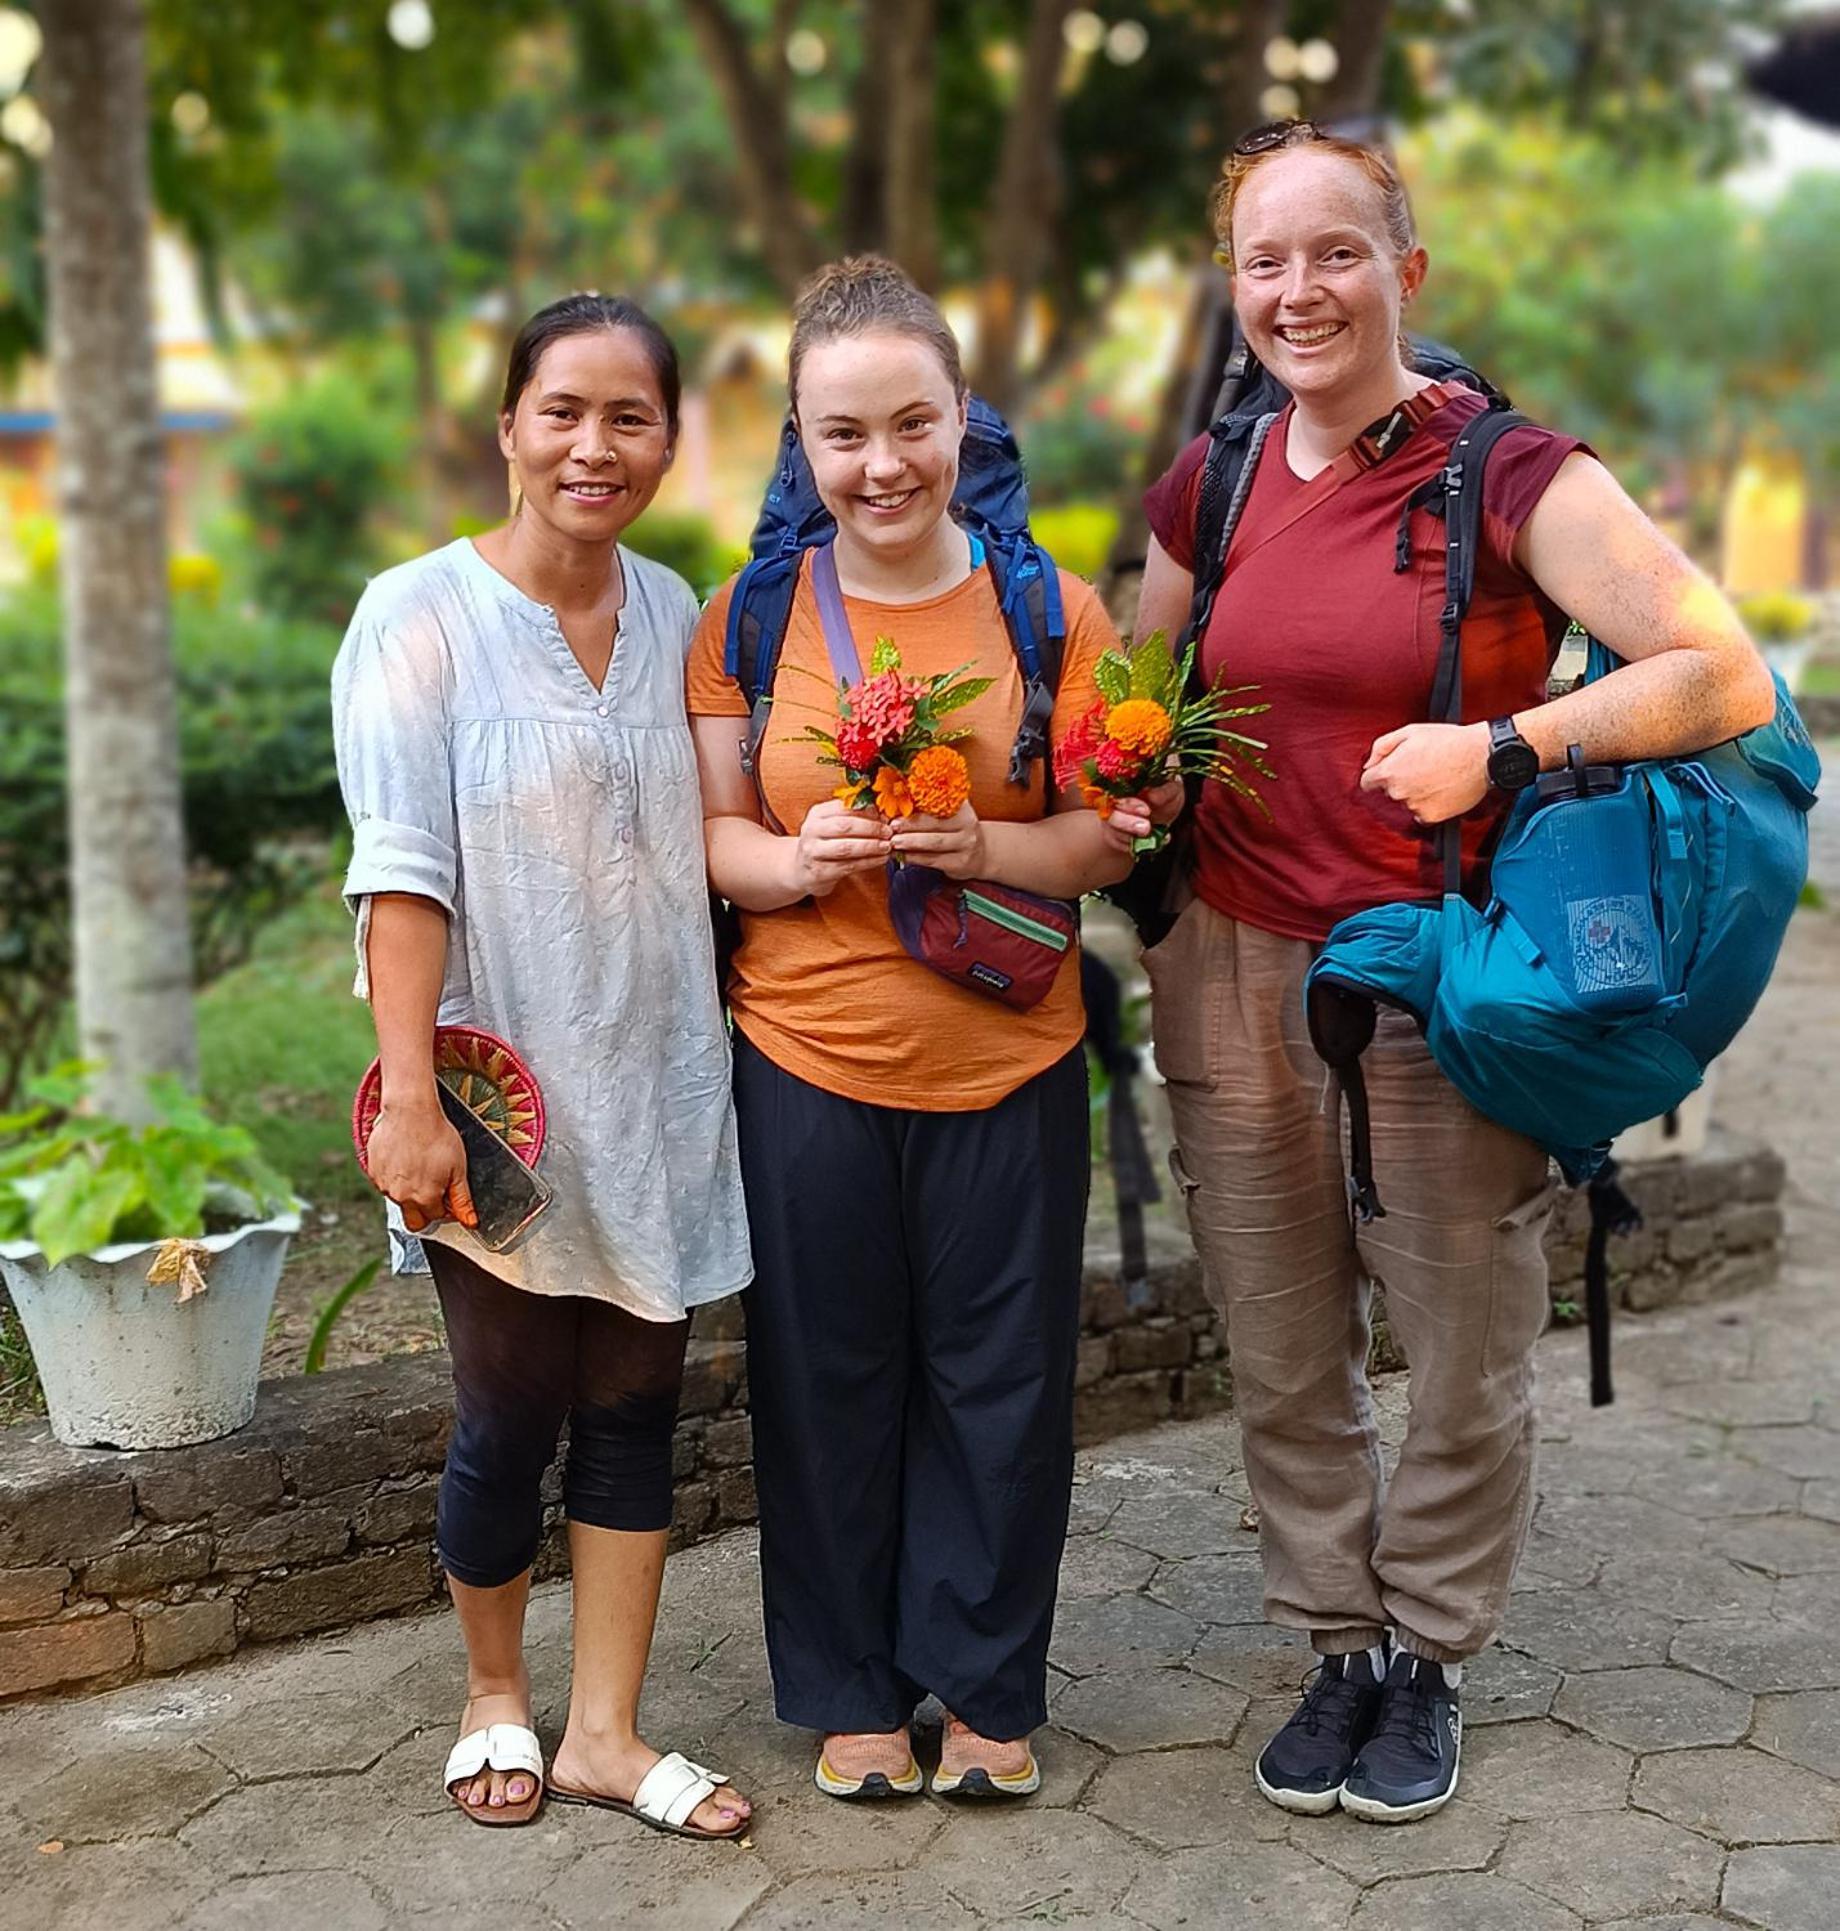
(200, 399)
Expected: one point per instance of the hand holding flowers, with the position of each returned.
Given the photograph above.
(1129, 753)
(899, 764)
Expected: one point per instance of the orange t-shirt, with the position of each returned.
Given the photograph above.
(824, 988)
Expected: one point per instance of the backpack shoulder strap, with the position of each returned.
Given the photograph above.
(1459, 486)
(1234, 446)
(1028, 589)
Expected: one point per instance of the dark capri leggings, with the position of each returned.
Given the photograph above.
(523, 1365)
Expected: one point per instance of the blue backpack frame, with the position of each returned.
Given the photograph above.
(991, 501)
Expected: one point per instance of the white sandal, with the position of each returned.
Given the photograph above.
(504, 1747)
(667, 1796)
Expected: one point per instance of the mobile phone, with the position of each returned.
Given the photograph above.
(508, 1195)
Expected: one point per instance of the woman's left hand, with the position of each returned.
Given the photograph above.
(952, 845)
(1437, 771)
(1130, 820)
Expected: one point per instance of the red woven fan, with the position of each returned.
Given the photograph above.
(482, 1071)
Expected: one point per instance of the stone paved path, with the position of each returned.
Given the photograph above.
(1656, 1743)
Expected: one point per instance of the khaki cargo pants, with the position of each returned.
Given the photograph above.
(1458, 1252)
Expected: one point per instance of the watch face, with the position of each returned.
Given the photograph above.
(1513, 765)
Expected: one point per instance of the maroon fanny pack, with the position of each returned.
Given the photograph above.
(988, 938)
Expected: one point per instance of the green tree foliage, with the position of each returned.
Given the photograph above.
(261, 800)
(311, 472)
(1651, 312)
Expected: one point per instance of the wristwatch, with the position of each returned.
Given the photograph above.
(1513, 762)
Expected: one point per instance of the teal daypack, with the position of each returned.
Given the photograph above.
(1635, 916)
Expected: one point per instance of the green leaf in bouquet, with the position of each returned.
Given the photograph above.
(957, 696)
(1153, 673)
(1112, 674)
(886, 656)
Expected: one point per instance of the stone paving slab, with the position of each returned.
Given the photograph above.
(1656, 1742)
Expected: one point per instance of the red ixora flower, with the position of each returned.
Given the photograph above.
(884, 707)
(857, 745)
(1114, 760)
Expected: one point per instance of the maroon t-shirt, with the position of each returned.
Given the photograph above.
(1344, 648)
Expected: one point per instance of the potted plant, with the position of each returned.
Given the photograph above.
(142, 1261)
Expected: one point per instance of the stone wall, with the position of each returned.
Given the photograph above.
(320, 1512)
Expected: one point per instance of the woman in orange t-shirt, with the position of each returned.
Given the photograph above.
(915, 1155)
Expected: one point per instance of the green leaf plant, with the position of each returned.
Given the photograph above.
(73, 1180)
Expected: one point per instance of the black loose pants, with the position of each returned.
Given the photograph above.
(912, 1331)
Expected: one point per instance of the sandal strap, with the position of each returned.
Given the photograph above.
(671, 1790)
(499, 1746)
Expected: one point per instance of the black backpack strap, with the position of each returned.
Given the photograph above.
(1134, 1180)
(1342, 1019)
(1612, 1212)
(1460, 487)
(1227, 473)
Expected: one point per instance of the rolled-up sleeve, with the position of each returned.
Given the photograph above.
(390, 735)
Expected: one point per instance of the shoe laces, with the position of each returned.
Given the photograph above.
(1331, 1701)
(1408, 1712)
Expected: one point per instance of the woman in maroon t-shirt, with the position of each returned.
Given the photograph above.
(1343, 643)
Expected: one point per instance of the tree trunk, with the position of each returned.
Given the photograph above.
(913, 107)
(431, 425)
(862, 206)
(130, 923)
(1359, 39)
(1023, 207)
(758, 123)
(1195, 374)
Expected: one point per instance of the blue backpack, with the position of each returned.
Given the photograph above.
(991, 501)
(1635, 916)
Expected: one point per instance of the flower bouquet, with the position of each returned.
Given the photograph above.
(1144, 729)
(895, 753)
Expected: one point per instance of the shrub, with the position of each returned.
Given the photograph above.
(686, 542)
(1078, 536)
(1776, 616)
(260, 793)
(1079, 443)
(310, 474)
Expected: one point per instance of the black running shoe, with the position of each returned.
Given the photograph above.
(1303, 1767)
(1408, 1767)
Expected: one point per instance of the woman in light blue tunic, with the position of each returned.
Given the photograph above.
(528, 858)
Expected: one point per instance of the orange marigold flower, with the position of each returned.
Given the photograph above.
(939, 781)
(1141, 725)
(892, 797)
(1095, 799)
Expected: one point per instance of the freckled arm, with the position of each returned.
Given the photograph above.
(1691, 676)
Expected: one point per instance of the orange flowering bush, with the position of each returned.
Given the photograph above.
(1145, 728)
(890, 743)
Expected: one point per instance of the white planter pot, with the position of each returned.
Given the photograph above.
(128, 1365)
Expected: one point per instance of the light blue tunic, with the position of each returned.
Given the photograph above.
(560, 827)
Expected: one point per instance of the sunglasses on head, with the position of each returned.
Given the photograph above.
(1275, 134)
